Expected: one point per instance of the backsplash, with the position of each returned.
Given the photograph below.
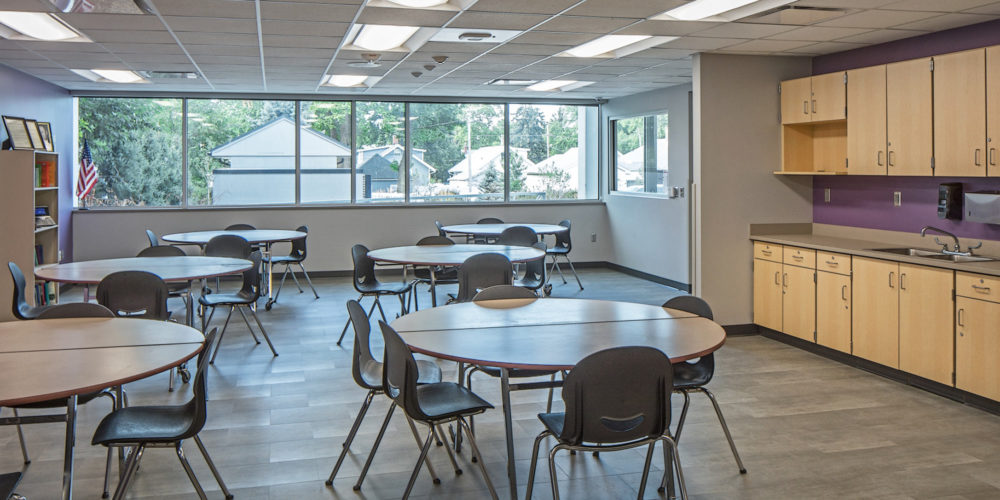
(866, 201)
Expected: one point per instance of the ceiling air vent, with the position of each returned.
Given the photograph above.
(795, 15)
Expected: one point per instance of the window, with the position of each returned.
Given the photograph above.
(380, 156)
(549, 147)
(241, 152)
(136, 145)
(640, 154)
(325, 152)
(456, 152)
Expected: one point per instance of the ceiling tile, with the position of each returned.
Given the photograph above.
(766, 46)
(405, 17)
(128, 36)
(878, 19)
(580, 24)
(111, 21)
(880, 36)
(625, 8)
(993, 8)
(308, 28)
(211, 24)
(826, 48)
(947, 21)
(218, 38)
(702, 44)
(744, 30)
(818, 33)
(554, 38)
(667, 28)
(299, 11)
(315, 42)
(206, 8)
(482, 20)
(936, 5)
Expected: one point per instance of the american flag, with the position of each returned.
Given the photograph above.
(87, 178)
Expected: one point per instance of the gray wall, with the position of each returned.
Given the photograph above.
(737, 146)
(28, 97)
(332, 231)
(649, 232)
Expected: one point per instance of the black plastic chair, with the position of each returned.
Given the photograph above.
(498, 292)
(177, 290)
(153, 240)
(134, 294)
(70, 310)
(489, 220)
(228, 245)
(141, 427)
(431, 404)
(296, 256)
(440, 228)
(561, 249)
(8, 483)
(482, 271)
(367, 372)
(240, 300)
(240, 227)
(19, 304)
(534, 273)
(693, 376)
(443, 275)
(485, 239)
(615, 399)
(518, 236)
(368, 285)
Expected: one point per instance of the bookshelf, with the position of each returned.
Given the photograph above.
(30, 180)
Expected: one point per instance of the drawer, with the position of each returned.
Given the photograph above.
(833, 262)
(801, 257)
(977, 286)
(767, 251)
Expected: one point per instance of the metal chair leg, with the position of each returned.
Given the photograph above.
(552, 472)
(222, 333)
(571, 268)
(247, 322)
(281, 284)
(296, 280)
(534, 464)
(304, 273)
(451, 455)
(420, 461)
(20, 437)
(350, 436)
(548, 406)
(131, 464)
(482, 466)
(683, 417)
(416, 437)
(262, 331)
(725, 429)
(371, 454)
(190, 472)
(645, 469)
(378, 302)
(211, 466)
(344, 331)
(668, 442)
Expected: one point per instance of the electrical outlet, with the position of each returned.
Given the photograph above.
(826, 195)
(593, 237)
(60, 255)
(897, 198)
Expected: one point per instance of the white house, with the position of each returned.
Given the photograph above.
(630, 167)
(466, 176)
(382, 165)
(557, 174)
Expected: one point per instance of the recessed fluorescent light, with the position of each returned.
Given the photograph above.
(118, 75)
(37, 25)
(700, 9)
(383, 36)
(509, 81)
(345, 80)
(605, 44)
(419, 4)
(548, 85)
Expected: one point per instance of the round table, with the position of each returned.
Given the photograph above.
(448, 255)
(262, 237)
(550, 334)
(495, 229)
(47, 359)
(171, 269)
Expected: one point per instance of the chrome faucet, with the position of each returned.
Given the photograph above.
(958, 247)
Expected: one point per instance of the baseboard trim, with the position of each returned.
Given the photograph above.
(649, 277)
(744, 330)
(902, 377)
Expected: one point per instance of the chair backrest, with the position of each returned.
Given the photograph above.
(520, 236)
(251, 277)
(489, 220)
(153, 240)
(400, 373)
(562, 238)
(228, 245)
(618, 395)
(482, 271)
(363, 357)
(498, 292)
(197, 407)
(134, 294)
(240, 227)
(364, 266)
(161, 251)
(695, 305)
(534, 270)
(76, 310)
(299, 246)
(19, 305)
(435, 240)
(440, 228)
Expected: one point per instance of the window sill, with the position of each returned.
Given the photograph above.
(626, 194)
(340, 206)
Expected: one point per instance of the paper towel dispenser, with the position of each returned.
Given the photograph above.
(983, 206)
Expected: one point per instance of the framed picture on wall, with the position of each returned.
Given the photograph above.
(34, 134)
(17, 133)
(45, 129)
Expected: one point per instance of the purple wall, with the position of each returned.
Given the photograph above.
(866, 201)
(29, 97)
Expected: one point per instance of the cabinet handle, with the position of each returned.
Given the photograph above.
(879, 158)
(784, 280)
(993, 156)
(890, 158)
(981, 289)
(960, 323)
(832, 263)
(901, 276)
(892, 280)
(765, 252)
(977, 157)
(805, 107)
(814, 105)
(843, 292)
(797, 257)
(776, 279)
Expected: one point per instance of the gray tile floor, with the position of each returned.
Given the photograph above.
(806, 427)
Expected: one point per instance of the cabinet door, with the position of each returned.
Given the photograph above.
(829, 97)
(977, 347)
(909, 118)
(926, 324)
(993, 110)
(960, 113)
(875, 322)
(833, 311)
(795, 97)
(866, 121)
(798, 317)
(767, 294)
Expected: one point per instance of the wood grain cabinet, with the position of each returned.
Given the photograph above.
(767, 287)
(814, 99)
(798, 302)
(977, 338)
(960, 114)
(909, 118)
(866, 121)
(785, 289)
(833, 301)
(993, 111)
(795, 98)
(875, 322)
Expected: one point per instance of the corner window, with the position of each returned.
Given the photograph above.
(640, 154)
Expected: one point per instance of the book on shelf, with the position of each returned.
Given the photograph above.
(45, 173)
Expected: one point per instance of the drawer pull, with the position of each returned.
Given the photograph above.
(832, 263)
(960, 322)
(981, 289)
(843, 292)
(797, 257)
(765, 252)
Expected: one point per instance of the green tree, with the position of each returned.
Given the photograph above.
(563, 130)
(527, 130)
(492, 181)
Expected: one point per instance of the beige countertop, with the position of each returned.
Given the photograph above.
(862, 248)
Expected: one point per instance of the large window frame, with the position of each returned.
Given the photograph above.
(651, 177)
(593, 177)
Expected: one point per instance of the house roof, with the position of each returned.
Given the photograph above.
(389, 149)
(277, 138)
(481, 159)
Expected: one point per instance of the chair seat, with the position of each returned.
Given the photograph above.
(447, 399)
(61, 403)
(557, 251)
(429, 373)
(8, 482)
(288, 259)
(33, 312)
(515, 373)
(553, 422)
(144, 424)
(381, 288)
(689, 375)
(529, 283)
(447, 274)
(221, 299)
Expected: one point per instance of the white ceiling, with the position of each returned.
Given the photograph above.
(276, 46)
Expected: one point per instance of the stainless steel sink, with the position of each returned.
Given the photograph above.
(933, 254)
(963, 258)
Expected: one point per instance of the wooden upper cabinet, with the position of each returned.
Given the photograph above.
(875, 322)
(829, 97)
(796, 97)
(909, 117)
(866, 121)
(926, 328)
(960, 113)
(993, 110)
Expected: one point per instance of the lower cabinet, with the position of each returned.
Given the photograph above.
(977, 339)
(875, 321)
(833, 311)
(926, 324)
(798, 313)
(767, 292)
